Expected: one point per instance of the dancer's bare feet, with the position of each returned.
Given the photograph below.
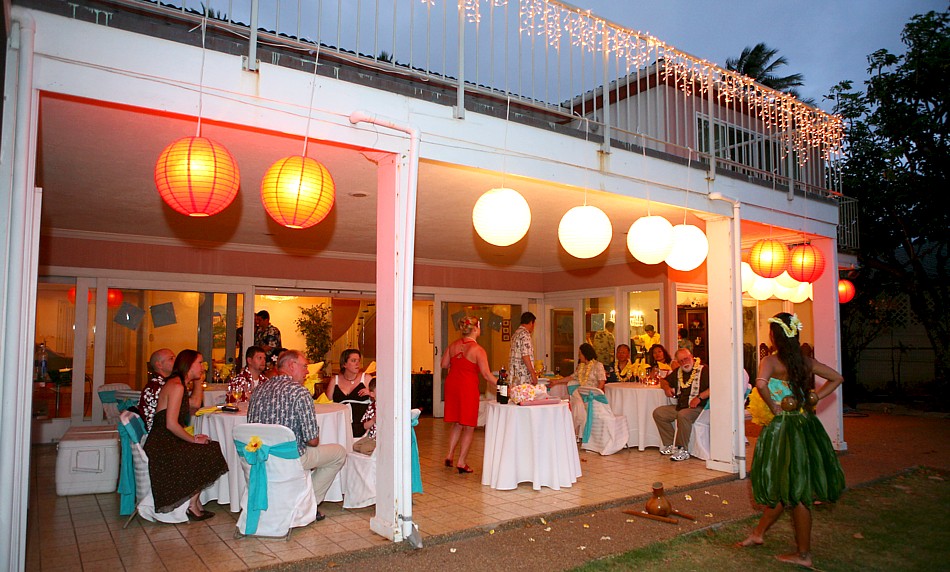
(797, 558)
(752, 540)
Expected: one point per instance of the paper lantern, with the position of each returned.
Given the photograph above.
(802, 292)
(768, 258)
(114, 298)
(690, 248)
(787, 281)
(197, 177)
(846, 291)
(782, 292)
(806, 263)
(501, 216)
(762, 288)
(297, 191)
(748, 276)
(585, 231)
(71, 295)
(650, 239)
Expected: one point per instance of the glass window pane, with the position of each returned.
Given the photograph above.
(644, 309)
(600, 317)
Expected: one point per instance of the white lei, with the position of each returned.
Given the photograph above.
(693, 381)
(583, 373)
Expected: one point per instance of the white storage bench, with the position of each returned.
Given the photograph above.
(87, 461)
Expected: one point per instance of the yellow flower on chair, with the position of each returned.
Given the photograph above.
(253, 444)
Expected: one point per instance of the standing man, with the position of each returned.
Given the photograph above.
(521, 356)
(160, 366)
(691, 391)
(253, 373)
(266, 335)
(605, 345)
(283, 400)
(649, 338)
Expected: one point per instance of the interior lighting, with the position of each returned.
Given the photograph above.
(501, 216)
(585, 231)
(650, 239)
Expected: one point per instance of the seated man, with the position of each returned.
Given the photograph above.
(283, 400)
(690, 387)
(253, 373)
(160, 366)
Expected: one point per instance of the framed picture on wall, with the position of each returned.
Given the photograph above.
(597, 322)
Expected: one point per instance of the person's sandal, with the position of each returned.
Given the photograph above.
(205, 515)
(465, 469)
(448, 463)
(320, 516)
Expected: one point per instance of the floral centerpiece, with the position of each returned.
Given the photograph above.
(528, 392)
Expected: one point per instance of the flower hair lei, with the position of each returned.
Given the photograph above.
(792, 328)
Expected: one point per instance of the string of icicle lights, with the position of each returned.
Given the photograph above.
(804, 127)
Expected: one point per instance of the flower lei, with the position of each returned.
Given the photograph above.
(693, 375)
(792, 328)
(583, 373)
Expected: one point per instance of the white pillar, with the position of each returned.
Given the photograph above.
(726, 420)
(827, 336)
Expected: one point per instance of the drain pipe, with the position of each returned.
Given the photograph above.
(739, 443)
(407, 530)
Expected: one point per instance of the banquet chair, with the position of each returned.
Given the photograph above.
(279, 496)
(132, 433)
(110, 403)
(595, 423)
(699, 438)
(359, 479)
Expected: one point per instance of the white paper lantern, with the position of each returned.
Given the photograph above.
(650, 239)
(748, 276)
(783, 292)
(762, 288)
(585, 231)
(690, 248)
(787, 281)
(802, 292)
(501, 217)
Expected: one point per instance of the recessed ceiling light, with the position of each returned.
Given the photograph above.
(358, 195)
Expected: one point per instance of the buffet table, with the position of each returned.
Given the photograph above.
(333, 419)
(533, 444)
(636, 402)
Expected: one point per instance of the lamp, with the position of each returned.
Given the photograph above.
(501, 216)
(650, 239)
(114, 298)
(297, 191)
(584, 231)
(768, 258)
(762, 288)
(806, 264)
(787, 281)
(802, 293)
(846, 291)
(71, 295)
(748, 276)
(196, 176)
(690, 248)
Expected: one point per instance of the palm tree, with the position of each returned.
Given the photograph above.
(757, 62)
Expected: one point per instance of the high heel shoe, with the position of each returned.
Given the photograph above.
(465, 469)
(448, 463)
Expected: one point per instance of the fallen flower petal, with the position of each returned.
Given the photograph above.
(689, 497)
(548, 529)
(858, 535)
(452, 550)
(709, 514)
(605, 538)
(543, 521)
(724, 501)
(492, 531)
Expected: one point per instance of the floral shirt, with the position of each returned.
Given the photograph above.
(282, 401)
(246, 382)
(269, 336)
(521, 345)
(149, 400)
(370, 414)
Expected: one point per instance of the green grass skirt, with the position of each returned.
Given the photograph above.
(795, 463)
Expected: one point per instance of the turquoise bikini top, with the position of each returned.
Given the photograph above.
(778, 389)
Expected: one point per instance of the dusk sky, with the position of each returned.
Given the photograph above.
(826, 40)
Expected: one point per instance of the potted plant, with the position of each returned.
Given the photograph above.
(315, 325)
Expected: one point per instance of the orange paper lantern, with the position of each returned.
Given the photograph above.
(806, 263)
(71, 295)
(114, 298)
(846, 291)
(768, 258)
(297, 191)
(197, 177)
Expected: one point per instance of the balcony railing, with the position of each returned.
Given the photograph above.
(848, 224)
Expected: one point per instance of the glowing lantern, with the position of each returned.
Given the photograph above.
(71, 295)
(585, 231)
(650, 239)
(748, 276)
(197, 177)
(762, 288)
(787, 281)
(114, 298)
(690, 248)
(846, 291)
(807, 263)
(501, 216)
(297, 191)
(802, 292)
(768, 258)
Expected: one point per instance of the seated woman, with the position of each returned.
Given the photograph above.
(180, 465)
(589, 372)
(661, 361)
(351, 386)
(624, 368)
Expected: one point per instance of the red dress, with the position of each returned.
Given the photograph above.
(461, 390)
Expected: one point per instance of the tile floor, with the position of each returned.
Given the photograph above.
(84, 532)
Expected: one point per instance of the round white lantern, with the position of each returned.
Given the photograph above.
(801, 293)
(650, 239)
(787, 281)
(783, 292)
(501, 217)
(690, 248)
(585, 231)
(748, 276)
(762, 288)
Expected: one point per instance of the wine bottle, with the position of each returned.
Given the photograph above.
(502, 391)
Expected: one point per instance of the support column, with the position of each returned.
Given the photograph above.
(726, 419)
(828, 337)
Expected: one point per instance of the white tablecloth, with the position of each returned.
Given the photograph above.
(636, 402)
(533, 444)
(335, 427)
(215, 394)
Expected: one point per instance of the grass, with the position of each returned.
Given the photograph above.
(897, 524)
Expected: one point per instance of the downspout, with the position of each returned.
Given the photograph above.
(739, 442)
(404, 494)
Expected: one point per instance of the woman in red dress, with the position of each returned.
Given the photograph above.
(464, 359)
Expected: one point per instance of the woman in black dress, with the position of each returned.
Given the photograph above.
(350, 385)
(180, 465)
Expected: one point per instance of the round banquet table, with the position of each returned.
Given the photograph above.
(533, 444)
(215, 394)
(636, 402)
(333, 419)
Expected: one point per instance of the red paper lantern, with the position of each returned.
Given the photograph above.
(846, 291)
(806, 263)
(197, 177)
(71, 295)
(768, 258)
(297, 191)
(114, 298)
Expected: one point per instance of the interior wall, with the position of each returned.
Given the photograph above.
(422, 330)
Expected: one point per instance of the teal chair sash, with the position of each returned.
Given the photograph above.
(589, 398)
(572, 388)
(129, 433)
(107, 396)
(416, 471)
(257, 481)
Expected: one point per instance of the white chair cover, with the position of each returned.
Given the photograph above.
(359, 480)
(609, 432)
(143, 485)
(112, 409)
(699, 438)
(290, 499)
